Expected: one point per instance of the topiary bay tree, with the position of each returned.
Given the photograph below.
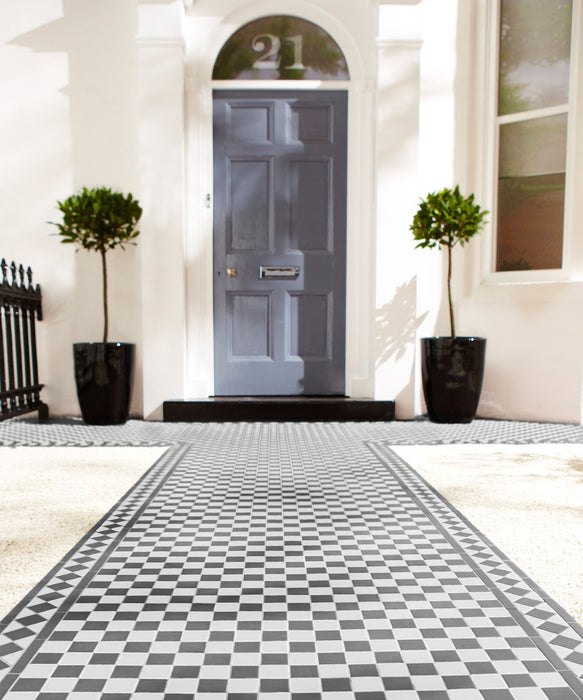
(452, 367)
(443, 220)
(99, 219)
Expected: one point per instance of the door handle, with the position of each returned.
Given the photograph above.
(231, 272)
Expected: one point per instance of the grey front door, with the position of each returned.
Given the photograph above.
(279, 242)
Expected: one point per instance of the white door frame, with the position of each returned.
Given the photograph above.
(361, 221)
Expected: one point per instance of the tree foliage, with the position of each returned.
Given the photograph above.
(443, 220)
(99, 219)
(446, 218)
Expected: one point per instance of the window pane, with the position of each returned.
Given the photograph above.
(530, 222)
(535, 46)
(280, 48)
(533, 147)
(531, 194)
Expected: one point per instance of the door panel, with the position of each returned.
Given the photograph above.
(280, 204)
(309, 202)
(248, 316)
(250, 123)
(311, 123)
(310, 317)
(249, 217)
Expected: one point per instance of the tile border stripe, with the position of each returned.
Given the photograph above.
(158, 474)
(572, 672)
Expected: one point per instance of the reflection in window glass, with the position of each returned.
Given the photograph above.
(531, 194)
(280, 48)
(533, 146)
(530, 222)
(535, 46)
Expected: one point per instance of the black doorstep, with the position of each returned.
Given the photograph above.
(222, 409)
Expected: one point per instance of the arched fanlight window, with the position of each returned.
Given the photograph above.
(280, 48)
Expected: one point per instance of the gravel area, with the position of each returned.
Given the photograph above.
(50, 498)
(527, 499)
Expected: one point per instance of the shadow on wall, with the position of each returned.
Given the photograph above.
(397, 324)
(102, 89)
(396, 327)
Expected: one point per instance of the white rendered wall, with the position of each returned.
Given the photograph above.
(533, 321)
(534, 328)
(102, 93)
(68, 75)
(162, 150)
(415, 154)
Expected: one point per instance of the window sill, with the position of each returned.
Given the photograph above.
(529, 286)
(527, 277)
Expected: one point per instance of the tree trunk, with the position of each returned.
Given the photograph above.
(451, 317)
(105, 314)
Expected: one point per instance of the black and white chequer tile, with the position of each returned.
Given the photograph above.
(293, 560)
(72, 431)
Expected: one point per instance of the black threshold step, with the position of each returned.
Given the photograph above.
(223, 409)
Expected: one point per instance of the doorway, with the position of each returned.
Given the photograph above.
(279, 251)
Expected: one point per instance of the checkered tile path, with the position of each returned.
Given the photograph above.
(292, 561)
(72, 431)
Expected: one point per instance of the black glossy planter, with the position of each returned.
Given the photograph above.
(103, 374)
(452, 371)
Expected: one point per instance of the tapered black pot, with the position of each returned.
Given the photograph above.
(452, 371)
(103, 374)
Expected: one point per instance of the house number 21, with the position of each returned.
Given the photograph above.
(269, 45)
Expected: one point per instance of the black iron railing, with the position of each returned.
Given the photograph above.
(20, 308)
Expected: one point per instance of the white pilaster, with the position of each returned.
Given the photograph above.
(398, 315)
(161, 89)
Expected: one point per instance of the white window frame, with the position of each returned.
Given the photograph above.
(572, 265)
